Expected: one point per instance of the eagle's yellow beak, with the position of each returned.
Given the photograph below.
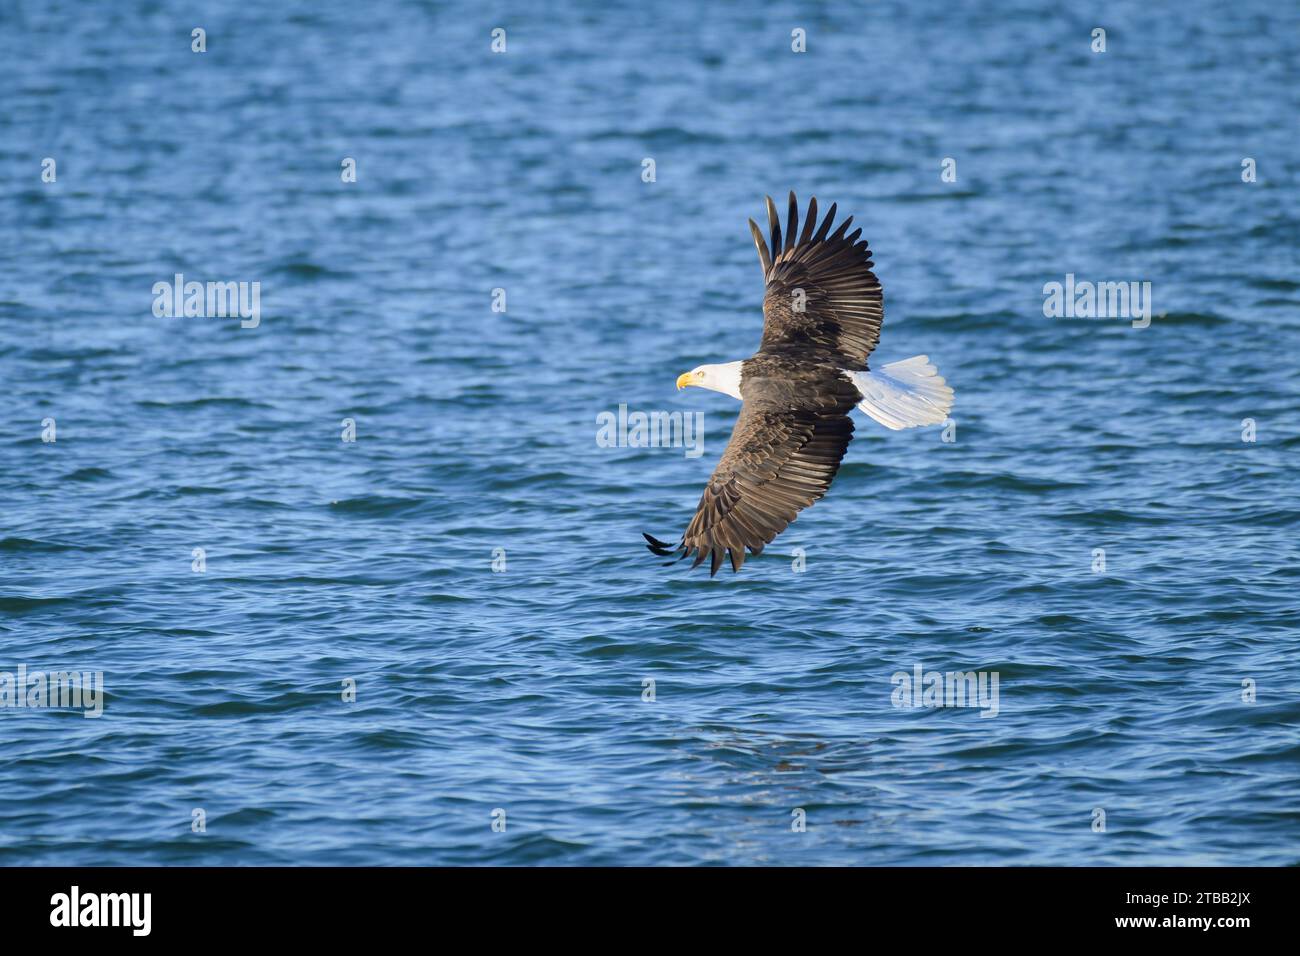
(686, 378)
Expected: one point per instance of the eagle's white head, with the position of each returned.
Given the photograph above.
(723, 378)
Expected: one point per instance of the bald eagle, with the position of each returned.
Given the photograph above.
(822, 310)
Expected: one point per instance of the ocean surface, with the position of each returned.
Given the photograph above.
(444, 642)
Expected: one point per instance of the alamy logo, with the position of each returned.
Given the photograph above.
(75, 689)
(212, 300)
(652, 430)
(923, 688)
(1098, 300)
(103, 909)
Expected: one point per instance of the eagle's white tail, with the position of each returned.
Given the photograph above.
(904, 394)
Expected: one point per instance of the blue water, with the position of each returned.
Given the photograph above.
(521, 689)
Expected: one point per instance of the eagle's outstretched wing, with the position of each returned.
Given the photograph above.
(782, 457)
(821, 293)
